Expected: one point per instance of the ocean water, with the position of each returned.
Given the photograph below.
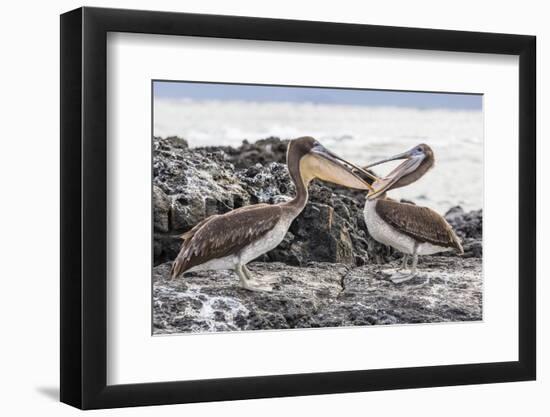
(360, 134)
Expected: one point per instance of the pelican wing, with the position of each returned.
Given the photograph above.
(420, 223)
(190, 233)
(223, 234)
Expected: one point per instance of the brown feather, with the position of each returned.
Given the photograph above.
(190, 233)
(223, 234)
(420, 223)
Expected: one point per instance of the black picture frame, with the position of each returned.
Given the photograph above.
(84, 207)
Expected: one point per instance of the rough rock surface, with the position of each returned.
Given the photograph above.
(318, 295)
(192, 184)
(343, 277)
(261, 152)
(469, 227)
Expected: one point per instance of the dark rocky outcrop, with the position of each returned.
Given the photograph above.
(260, 152)
(330, 271)
(192, 184)
(469, 227)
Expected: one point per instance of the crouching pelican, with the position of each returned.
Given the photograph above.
(410, 229)
(231, 240)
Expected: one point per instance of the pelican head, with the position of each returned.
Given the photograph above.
(417, 161)
(312, 160)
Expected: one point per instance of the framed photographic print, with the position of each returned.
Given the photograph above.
(258, 207)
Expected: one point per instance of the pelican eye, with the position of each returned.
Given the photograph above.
(317, 146)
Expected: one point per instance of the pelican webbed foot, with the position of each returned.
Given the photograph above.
(405, 261)
(255, 286)
(265, 279)
(269, 279)
(248, 282)
(401, 277)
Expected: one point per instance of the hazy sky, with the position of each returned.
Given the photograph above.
(215, 91)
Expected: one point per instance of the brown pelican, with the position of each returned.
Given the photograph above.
(410, 229)
(231, 240)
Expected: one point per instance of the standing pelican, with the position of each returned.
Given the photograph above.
(231, 240)
(410, 229)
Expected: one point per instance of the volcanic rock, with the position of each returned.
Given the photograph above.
(317, 295)
(190, 184)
